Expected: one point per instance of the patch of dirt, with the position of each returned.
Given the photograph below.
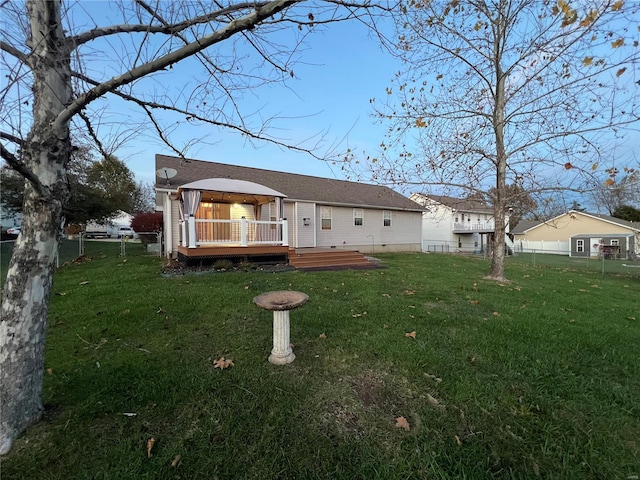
(51, 411)
(374, 392)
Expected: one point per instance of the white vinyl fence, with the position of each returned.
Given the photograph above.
(555, 247)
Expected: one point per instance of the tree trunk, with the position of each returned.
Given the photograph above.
(27, 290)
(499, 206)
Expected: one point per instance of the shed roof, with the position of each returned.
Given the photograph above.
(603, 235)
(293, 185)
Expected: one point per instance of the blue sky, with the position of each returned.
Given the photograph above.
(340, 70)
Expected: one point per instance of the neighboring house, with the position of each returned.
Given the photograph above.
(211, 206)
(579, 234)
(456, 225)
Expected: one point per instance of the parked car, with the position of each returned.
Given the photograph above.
(14, 231)
(125, 232)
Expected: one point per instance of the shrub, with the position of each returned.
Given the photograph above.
(147, 222)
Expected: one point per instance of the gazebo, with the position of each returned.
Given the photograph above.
(223, 217)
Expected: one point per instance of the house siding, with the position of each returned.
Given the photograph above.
(174, 206)
(564, 227)
(305, 233)
(289, 214)
(404, 234)
(625, 244)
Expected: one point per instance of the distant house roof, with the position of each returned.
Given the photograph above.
(469, 204)
(293, 185)
(526, 225)
(602, 235)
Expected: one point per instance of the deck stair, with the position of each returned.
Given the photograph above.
(328, 259)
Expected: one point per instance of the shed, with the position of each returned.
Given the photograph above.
(610, 246)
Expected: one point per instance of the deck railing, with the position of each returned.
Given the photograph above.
(197, 232)
(474, 227)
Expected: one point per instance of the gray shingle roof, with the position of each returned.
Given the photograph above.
(524, 225)
(469, 204)
(295, 186)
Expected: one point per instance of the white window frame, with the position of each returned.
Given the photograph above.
(386, 218)
(325, 215)
(358, 217)
(615, 242)
(580, 246)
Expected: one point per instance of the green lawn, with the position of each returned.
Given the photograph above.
(536, 378)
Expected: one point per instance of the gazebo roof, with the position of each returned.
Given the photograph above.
(230, 185)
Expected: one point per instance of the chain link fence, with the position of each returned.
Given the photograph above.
(74, 246)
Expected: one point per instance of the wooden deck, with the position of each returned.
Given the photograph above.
(299, 258)
(328, 259)
(255, 253)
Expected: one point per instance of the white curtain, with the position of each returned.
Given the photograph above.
(191, 200)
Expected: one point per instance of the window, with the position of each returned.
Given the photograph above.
(580, 246)
(325, 215)
(386, 218)
(615, 242)
(358, 217)
(456, 220)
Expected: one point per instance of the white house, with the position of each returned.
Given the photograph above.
(456, 225)
(211, 206)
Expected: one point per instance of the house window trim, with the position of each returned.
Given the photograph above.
(614, 242)
(386, 218)
(358, 217)
(580, 246)
(324, 217)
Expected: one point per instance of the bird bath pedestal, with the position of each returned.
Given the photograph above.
(280, 303)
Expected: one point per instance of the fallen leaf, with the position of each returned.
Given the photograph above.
(434, 402)
(472, 359)
(384, 325)
(129, 414)
(50, 371)
(322, 335)
(475, 287)
(412, 306)
(458, 441)
(84, 283)
(412, 335)
(475, 302)
(433, 377)
(150, 443)
(401, 422)
(223, 363)
(386, 295)
(496, 314)
(175, 461)
(160, 310)
(410, 292)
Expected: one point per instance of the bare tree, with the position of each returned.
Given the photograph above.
(529, 93)
(610, 194)
(64, 71)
